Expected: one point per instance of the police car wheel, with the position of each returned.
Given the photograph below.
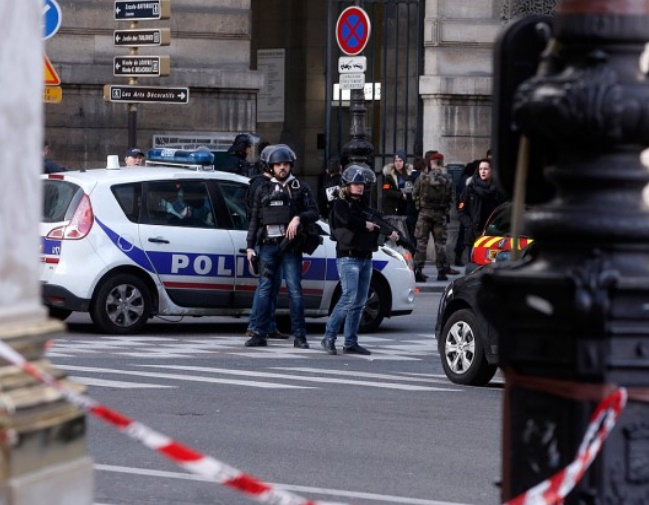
(122, 305)
(462, 351)
(58, 313)
(375, 308)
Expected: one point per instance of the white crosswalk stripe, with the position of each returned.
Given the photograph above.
(274, 378)
(383, 349)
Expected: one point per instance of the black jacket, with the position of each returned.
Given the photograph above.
(301, 200)
(348, 225)
(477, 202)
(236, 164)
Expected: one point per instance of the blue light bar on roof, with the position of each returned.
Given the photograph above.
(197, 157)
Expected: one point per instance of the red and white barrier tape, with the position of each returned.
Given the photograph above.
(187, 458)
(553, 490)
(549, 492)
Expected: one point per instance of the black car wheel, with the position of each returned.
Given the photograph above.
(462, 351)
(122, 305)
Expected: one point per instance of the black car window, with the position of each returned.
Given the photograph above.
(234, 195)
(60, 199)
(129, 197)
(500, 224)
(179, 203)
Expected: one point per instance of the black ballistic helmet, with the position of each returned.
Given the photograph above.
(281, 153)
(263, 157)
(358, 174)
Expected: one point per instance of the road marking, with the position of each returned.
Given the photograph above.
(298, 489)
(368, 375)
(195, 378)
(321, 380)
(90, 381)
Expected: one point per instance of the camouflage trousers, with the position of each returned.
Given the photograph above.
(431, 221)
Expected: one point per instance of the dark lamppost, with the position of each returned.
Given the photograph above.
(574, 320)
(359, 149)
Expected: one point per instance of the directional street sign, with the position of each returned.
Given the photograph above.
(51, 18)
(143, 94)
(134, 11)
(141, 66)
(352, 64)
(353, 30)
(135, 38)
(352, 81)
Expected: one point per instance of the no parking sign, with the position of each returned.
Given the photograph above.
(353, 30)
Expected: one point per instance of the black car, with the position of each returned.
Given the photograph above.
(467, 342)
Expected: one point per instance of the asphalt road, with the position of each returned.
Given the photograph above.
(384, 429)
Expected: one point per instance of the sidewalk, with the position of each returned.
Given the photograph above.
(432, 285)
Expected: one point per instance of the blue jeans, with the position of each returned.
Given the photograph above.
(252, 320)
(272, 263)
(355, 276)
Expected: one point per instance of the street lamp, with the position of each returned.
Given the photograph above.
(574, 321)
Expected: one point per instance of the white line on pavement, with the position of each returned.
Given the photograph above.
(321, 380)
(214, 380)
(298, 489)
(91, 381)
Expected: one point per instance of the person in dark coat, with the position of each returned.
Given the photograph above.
(356, 240)
(478, 200)
(398, 182)
(237, 161)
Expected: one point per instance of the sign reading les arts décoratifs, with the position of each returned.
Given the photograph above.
(134, 11)
(145, 94)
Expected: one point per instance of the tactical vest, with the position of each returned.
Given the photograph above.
(434, 192)
(276, 208)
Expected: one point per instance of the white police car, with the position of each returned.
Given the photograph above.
(127, 244)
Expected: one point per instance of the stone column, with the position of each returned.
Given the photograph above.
(42, 438)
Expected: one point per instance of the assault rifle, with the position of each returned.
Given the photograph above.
(374, 216)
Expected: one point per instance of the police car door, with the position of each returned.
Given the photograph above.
(232, 201)
(180, 233)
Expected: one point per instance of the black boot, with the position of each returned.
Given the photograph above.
(458, 260)
(419, 276)
(441, 275)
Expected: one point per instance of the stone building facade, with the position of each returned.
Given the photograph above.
(214, 51)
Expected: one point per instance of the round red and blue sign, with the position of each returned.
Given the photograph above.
(353, 30)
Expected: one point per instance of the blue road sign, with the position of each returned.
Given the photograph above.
(51, 18)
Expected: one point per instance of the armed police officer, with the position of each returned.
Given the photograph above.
(356, 239)
(283, 208)
(433, 197)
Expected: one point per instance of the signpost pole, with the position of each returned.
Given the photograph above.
(359, 149)
(132, 107)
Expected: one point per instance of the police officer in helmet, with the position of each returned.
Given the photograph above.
(356, 239)
(283, 208)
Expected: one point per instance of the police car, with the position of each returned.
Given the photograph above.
(169, 239)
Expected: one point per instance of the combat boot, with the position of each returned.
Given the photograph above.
(419, 276)
(441, 275)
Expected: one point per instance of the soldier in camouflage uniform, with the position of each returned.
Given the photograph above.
(433, 197)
